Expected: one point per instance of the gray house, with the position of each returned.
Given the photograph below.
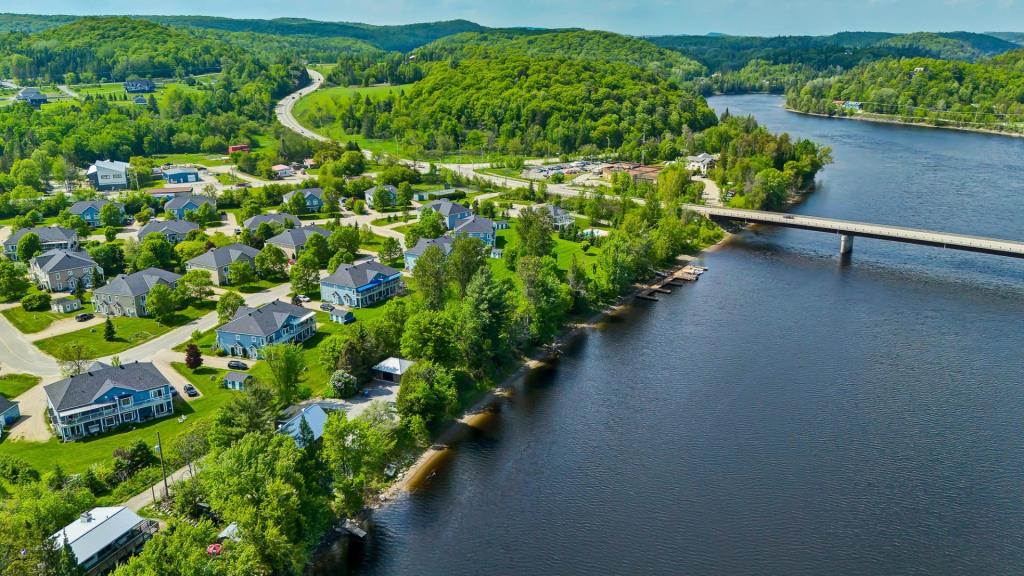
(173, 230)
(445, 243)
(294, 241)
(282, 219)
(361, 285)
(60, 270)
(451, 212)
(90, 210)
(51, 237)
(390, 192)
(126, 294)
(217, 260)
(273, 323)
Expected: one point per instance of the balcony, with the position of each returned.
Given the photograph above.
(120, 551)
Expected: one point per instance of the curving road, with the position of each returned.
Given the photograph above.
(285, 108)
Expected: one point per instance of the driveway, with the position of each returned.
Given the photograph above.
(32, 425)
(64, 326)
(17, 354)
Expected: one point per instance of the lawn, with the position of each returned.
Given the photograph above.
(372, 241)
(77, 456)
(31, 322)
(394, 218)
(191, 158)
(563, 252)
(12, 385)
(130, 332)
(510, 173)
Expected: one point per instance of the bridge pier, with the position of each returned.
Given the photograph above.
(845, 244)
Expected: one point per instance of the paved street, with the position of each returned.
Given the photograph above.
(285, 106)
(17, 354)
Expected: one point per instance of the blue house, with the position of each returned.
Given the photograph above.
(105, 397)
(274, 323)
(90, 210)
(179, 205)
(181, 175)
(361, 285)
(314, 415)
(452, 212)
(412, 254)
(9, 413)
(314, 198)
(236, 380)
(477, 227)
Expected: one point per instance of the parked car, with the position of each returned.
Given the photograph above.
(296, 301)
(191, 391)
(242, 185)
(238, 365)
(326, 307)
(302, 297)
(84, 317)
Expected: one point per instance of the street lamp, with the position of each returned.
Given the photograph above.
(163, 469)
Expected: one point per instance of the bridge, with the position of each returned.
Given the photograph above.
(848, 229)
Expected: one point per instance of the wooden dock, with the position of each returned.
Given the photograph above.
(678, 278)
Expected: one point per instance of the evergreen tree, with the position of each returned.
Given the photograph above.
(109, 332)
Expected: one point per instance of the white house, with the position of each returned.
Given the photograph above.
(103, 537)
(108, 175)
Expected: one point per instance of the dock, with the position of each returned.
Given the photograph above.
(681, 277)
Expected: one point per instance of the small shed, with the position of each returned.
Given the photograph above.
(236, 380)
(139, 100)
(65, 305)
(282, 170)
(342, 316)
(9, 413)
(392, 369)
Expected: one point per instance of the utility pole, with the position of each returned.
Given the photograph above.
(163, 469)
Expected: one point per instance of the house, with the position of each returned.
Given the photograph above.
(126, 294)
(217, 261)
(293, 241)
(102, 538)
(181, 175)
(282, 171)
(392, 194)
(282, 219)
(477, 227)
(274, 323)
(173, 231)
(236, 380)
(647, 174)
(392, 369)
(51, 238)
(170, 192)
(33, 96)
(560, 217)
(60, 270)
(9, 413)
(315, 417)
(65, 305)
(309, 163)
(143, 86)
(314, 198)
(452, 212)
(445, 243)
(361, 285)
(238, 148)
(853, 106)
(105, 396)
(342, 316)
(90, 210)
(139, 101)
(180, 205)
(107, 175)
(701, 163)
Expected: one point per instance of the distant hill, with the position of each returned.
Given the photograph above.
(951, 45)
(33, 22)
(1015, 37)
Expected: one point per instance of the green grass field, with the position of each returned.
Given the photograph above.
(563, 252)
(32, 322)
(12, 385)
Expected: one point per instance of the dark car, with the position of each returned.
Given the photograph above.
(238, 365)
(191, 391)
(84, 317)
(326, 307)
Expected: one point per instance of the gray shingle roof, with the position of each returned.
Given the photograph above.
(179, 202)
(236, 377)
(279, 218)
(59, 260)
(223, 256)
(388, 187)
(138, 283)
(83, 389)
(166, 227)
(5, 404)
(264, 320)
(446, 207)
(356, 275)
(79, 208)
(298, 236)
(47, 234)
(444, 243)
(306, 193)
(475, 225)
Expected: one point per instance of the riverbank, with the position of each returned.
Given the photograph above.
(878, 119)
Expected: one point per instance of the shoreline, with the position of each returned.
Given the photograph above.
(880, 120)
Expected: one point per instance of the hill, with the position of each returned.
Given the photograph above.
(950, 45)
(1015, 37)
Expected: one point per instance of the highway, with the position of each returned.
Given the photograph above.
(285, 108)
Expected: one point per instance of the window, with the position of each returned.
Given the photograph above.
(126, 401)
(161, 408)
(157, 393)
(128, 416)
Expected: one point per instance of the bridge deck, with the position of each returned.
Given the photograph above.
(881, 231)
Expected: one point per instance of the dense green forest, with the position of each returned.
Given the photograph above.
(989, 93)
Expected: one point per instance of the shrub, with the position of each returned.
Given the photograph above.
(36, 302)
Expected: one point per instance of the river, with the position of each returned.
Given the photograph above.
(784, 415)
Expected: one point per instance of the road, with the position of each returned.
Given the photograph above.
(284, 109)
(67, 90)
(18, 355)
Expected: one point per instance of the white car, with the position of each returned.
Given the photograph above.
(302, 297)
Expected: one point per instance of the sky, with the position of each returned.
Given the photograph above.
(638, 17)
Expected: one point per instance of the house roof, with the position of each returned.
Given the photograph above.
(47, 234)
(6, 404)
(359, 275)
(388, 187)
(280, 167)
(306, 193)
(30, 92)
(180, 170)
(115, 165)
(298, 236)
(316, 418)
(66, 300)
(393, 365)
(137, 283)
(444, 243)
(223, 256)
(179, 202)
(79, 208)
(82, 390)
(236, 377)
(95, 530)
(171, 190)
(166, 227)
(265, 320)
(555, 211)
(475, 225)
(446, 207)
(279, 218)
(59, 260)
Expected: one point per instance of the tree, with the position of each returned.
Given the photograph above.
(228, 305)
(252, 411)
(343, 384)
(485, 318)
(154, 252)
(109, 333)
(317, 246)
(296, 204)
(193, 357)
(109, 257)
(390, 250)
(196, 286)
(430, 277)
(545, 298)
(344, 239)
(111, 216)
(37, 302)
(241, 272)
(29, 246)
(305, 274)
(383, 198)
(205, 215)
(467, 256)
(405, 194)
(339, 258)
(355, 352)
(271, 262)
(429, 225)
(286, 363)
(427, 391)
(110, 233)
(74, 358)
(13, 282)
(430, 335)
(535, 231)
(160, 303)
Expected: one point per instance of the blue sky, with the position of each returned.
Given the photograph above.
(755, 17)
